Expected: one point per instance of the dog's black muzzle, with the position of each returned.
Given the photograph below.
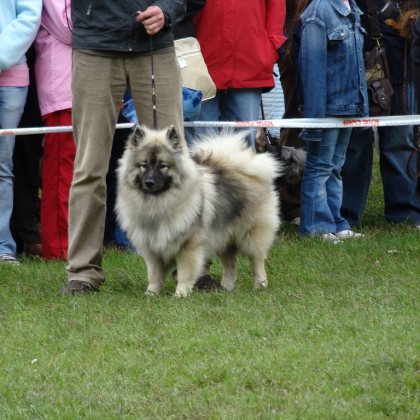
(149, 183)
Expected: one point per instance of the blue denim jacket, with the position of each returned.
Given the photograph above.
(328, 50)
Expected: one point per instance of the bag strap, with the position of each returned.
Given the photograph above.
(375, 31)
(404, 86)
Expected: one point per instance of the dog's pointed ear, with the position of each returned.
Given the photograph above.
(138, 136)
(173, 137)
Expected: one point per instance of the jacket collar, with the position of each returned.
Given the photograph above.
(343, 9)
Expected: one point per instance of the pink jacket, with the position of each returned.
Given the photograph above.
(53, 58)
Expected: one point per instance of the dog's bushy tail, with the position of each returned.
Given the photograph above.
(229, 150)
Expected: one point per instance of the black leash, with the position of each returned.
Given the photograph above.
(153, 86)
(267, 135)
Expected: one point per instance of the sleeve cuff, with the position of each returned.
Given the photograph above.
(311, 134)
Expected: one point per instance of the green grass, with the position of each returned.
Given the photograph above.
(335, 336)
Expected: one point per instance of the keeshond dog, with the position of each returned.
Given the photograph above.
(179, 208)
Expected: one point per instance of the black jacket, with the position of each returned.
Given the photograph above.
(186, 27)
(111, 25)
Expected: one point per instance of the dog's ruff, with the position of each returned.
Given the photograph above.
(180, 208)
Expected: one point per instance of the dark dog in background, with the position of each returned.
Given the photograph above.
(293, 161)
(288, 185)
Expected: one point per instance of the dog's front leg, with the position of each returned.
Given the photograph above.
(190, 265)
(156, 272)
(258, 269)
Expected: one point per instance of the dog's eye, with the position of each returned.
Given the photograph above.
(163, 166)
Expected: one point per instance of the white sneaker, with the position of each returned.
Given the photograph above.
(332, 238)
(349, 234)
(9, 259)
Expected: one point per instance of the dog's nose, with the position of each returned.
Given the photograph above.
(150, 183)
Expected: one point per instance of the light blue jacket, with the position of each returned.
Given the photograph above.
(19, 24)
(328, 49)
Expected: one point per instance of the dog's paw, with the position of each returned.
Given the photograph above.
(228, 285)
(182, 292)
(262, 284)
(151, 293)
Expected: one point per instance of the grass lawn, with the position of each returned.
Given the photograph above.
(335, 336)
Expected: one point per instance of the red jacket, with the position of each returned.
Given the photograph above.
(240, 40)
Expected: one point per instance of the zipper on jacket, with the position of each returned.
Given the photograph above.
(131, 27)
(89, 8)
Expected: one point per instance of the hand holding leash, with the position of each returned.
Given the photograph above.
(152, 18)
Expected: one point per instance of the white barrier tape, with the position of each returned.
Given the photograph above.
(286, 123)
(313, 122)
(46, 130)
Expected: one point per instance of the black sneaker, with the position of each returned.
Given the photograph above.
(76, 287)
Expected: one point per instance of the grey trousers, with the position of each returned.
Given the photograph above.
(98, 86)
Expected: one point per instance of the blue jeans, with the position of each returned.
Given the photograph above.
(233, 105)
(12, 103)
(395, 146)
(322, 189)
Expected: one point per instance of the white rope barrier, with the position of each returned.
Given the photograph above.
(46, 130)
(314, 122)
(286, 123)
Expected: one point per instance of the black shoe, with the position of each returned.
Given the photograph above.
(203, 283)
(207, 283)
(77, 287)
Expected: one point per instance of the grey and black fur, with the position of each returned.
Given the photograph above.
(181, 208)
(293, 163)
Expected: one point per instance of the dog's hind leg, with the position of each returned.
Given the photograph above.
(190, 265)
(256, 245)
(156, 272)
(229, 261)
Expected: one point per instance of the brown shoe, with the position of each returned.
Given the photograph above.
(76, 287)
(207, 283)
(34, 250)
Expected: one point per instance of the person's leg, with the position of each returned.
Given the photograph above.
(335, 183)
(316, 216)
(98, 86)
(396, 144)
(290, 197)
(26, 160)
(118, 147)
(26, 169)
(57, 174)
(210, 111)
(12, 102)
(168, 90)
(241, 105)
(356, 175)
